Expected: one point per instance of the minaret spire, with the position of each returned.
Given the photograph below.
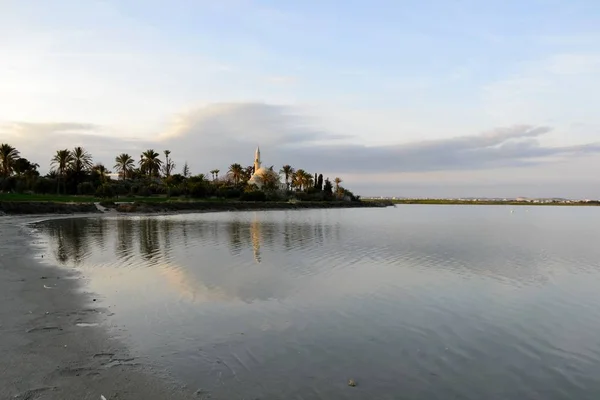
(257, 159)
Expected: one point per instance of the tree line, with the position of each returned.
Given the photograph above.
(74, 172)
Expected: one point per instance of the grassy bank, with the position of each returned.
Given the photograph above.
(16, 197)
(484, 202)
(16, 204)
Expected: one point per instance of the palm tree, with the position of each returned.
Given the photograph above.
(169, 164)
(269, 180)
(337, 182)
(60, 163)
(150, 163)
(236, 171)
(302, 179)
(101, 171)
(8, 156)
(308, 181)
(287, 171)
(248, 171)
(82, 160)
(125, 165)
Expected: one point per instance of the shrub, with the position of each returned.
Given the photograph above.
(86, 188)
(302, 196)
(156, 189)
(143, 191)
(8, 184)
(21, 186)
(197, 190)
(175, 191)
(45, 186)
(105, 191)
(228, 192)
(121, 189)
(256, 195)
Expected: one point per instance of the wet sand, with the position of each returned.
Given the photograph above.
(45, 355)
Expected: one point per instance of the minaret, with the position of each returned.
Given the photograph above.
(257, 159)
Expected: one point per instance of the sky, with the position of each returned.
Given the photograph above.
(429, 98)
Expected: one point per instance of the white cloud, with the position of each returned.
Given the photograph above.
(558, 90)
(217, 135)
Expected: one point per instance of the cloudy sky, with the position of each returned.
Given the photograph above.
(406, 98)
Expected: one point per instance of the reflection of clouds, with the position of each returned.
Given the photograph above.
(188, 253)
(261, 256)
(189, 288)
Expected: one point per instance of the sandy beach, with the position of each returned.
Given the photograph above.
(45, 353)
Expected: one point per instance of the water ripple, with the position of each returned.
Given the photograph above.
(436, 303)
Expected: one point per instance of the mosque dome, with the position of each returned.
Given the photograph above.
(260, 172)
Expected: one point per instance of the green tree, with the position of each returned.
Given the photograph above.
(169, 165)
(236, 171)
(287, 171)
(24, 167)
(81, 160)
(337, 182)
(150, 163)
(124, 164)
(269, 181)
(80, 165)
(248, 171)
(328, 188)
(186, 170)
(8, 157)
(302, 179)
(60, 164)
(102, 172)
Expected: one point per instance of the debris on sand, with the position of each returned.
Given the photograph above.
(352, 383)
(32, 393)
(44, 328)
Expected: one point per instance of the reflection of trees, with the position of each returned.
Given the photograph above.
(287, 234)
(172, 248)
(69, 238)
(148, 238)
(234, 228)
(166, 227)
(125, 233)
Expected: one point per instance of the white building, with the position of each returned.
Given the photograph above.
(261, 173)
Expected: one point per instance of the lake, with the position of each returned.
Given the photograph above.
(411, 302)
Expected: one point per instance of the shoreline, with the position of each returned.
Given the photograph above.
(490, 203)
(45, 353)
(44, 208)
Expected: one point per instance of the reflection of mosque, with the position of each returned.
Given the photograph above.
(256, 238)
(191, 249)
(186, 253)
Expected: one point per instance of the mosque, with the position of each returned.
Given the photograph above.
(260, 172)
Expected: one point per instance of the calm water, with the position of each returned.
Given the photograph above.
(413, 302)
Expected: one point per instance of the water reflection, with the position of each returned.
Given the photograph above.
(459, 302)
(188, 253)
